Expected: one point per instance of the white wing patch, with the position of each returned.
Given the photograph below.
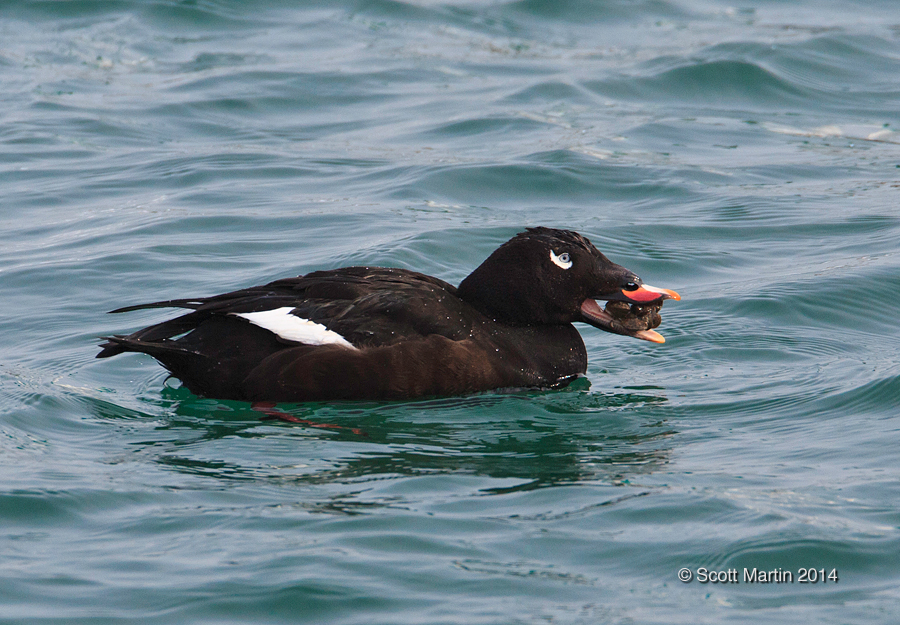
(293, 328)
(562, 260)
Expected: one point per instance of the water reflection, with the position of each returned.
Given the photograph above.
(535, 439)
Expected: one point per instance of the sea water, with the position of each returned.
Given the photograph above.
(745, 155)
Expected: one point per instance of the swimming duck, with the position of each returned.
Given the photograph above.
(383, 333)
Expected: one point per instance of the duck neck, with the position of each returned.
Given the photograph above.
(489, 292)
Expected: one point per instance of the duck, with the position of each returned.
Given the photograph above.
(379, 333)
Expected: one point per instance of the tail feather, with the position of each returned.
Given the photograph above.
(150, 335)
(112, 347)
(191, 367)
(193, 304)
(120, 344)
(202, 360)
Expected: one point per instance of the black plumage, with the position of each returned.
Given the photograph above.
(509, 324)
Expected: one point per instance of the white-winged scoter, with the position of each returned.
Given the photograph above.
(379, 333)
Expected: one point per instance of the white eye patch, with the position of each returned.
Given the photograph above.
(562, 260)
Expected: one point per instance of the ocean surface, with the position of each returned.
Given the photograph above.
(745, 154)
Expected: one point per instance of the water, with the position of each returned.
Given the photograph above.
(746, 155)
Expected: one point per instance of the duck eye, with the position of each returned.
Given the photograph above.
(631, 286)
(563, 261)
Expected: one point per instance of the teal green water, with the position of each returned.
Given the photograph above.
(745, 155)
